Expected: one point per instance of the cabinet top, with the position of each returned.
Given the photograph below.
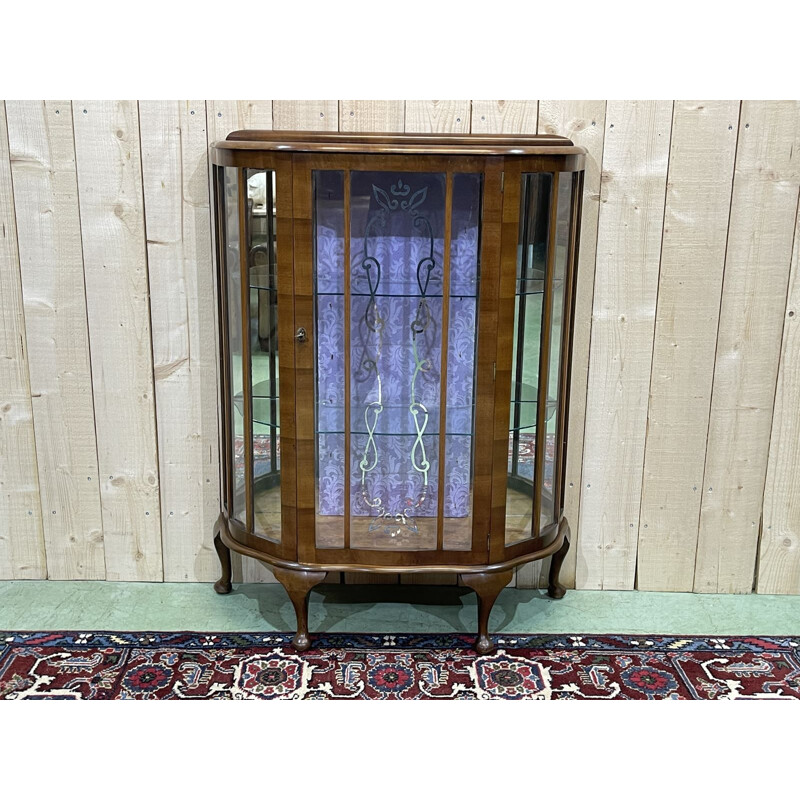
(408, 143)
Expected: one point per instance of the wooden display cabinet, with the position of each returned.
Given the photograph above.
(395, 332)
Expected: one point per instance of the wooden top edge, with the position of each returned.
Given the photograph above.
(415, 143)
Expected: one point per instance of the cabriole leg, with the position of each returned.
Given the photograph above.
(223, 585)
(298, 584)
(554, 588)
(487, 585)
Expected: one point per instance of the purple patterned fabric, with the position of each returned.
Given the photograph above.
(398, 241)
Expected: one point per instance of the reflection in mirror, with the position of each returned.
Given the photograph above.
(550, 510)
(535, 199)
(230, 189)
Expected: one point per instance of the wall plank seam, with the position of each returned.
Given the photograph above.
(88, 337)
(162, 507)
(653, 348)
(792, 252)
(719, 322)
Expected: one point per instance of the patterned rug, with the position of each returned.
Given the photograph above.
(262, 666)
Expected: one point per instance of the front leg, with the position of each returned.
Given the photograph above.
(487, 585)
(223, 585)
(554, 588)
(298, 583)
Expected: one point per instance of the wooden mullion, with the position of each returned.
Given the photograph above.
(284, 285)
(487, 304)
(302, 210)
(502, 340)
(448, 225)
(347, 376)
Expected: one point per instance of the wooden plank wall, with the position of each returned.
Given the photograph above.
(22, 552)
(684, 449)
(42, 148)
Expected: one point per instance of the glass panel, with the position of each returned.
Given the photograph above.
(264, 365)
(550, 512)
(531, 268)
(230, 189)
(394, 341)
(329, 318)
(461, 360)
(396, 261)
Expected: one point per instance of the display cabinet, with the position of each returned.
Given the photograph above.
(395, 320)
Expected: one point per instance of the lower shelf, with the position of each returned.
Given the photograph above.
(366, 535)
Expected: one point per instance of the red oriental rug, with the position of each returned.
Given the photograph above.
(263, 666)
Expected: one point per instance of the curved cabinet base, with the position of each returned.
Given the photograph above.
(487, 581)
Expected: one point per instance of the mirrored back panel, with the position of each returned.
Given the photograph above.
(395, 281)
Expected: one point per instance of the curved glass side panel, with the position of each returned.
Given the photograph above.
(550, 509)
(233, 272)
(532, 249)
(263, 349)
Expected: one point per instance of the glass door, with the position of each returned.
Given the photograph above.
(390, 302)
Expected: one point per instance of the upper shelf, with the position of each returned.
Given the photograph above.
(407, 143)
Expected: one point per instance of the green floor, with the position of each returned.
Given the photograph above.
(58, 605)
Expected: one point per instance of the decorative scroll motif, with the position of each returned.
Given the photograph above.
(399, 199)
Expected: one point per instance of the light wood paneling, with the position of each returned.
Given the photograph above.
(372, 115)
(225, 116)
(661, 399)
(437, 116)
(505, 116)
(761, 231)
(115, 263)
(175, 177)
(635, 157)
(583, 121)
(42, 150)
(22, 553)
(779, 560)
(305, 115)
(699, 187)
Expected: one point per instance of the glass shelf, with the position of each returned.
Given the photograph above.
(354, 432)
